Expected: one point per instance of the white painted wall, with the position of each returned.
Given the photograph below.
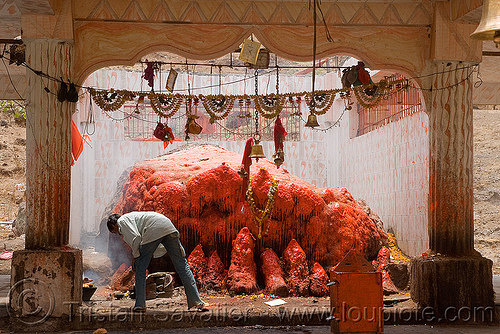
(387, 167)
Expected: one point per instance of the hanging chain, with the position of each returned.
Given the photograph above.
(314, 56)
(256, 112)
(220, 79)
(277, 80)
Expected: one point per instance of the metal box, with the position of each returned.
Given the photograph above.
(356, 297)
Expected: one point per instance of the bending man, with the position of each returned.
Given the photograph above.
(144, 232)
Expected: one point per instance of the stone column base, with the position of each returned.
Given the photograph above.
(45, 284)
(454, 289)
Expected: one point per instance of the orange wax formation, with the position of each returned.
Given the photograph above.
(273, 274)
(198, 264)
(242, 274)
(319, 279)
(296, 267)
(200, 190)
(216, 273)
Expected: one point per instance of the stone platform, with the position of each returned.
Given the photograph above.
(223, 311)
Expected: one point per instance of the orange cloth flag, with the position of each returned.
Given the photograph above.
(77, 141)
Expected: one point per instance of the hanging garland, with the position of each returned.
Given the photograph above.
(320, 102)
(269, 106)
(261, 216)
(217, 106)
(165, 105)
(111, 100)
(369, 96)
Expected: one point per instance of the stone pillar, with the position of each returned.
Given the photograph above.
(47, 266)
(48, 145)
(451, 213)
(454, 275)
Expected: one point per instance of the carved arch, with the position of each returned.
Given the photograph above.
(100, 44)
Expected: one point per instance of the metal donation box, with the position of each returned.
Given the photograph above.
(356, 297)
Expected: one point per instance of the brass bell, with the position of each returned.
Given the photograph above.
(257, 151)
(278, 158)
(312, 121)
(489, 27)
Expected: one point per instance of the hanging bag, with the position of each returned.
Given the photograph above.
(160, 132)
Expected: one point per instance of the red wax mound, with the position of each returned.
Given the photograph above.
(338, 194)
(200, 191)
(319, 279)
(220, 186)
(273, 274)
(242, 274)
(296, 267)
(169, 198)
(216, 273)
(198, 264)
(352, 226)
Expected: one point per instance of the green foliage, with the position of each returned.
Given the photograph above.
(14, 108)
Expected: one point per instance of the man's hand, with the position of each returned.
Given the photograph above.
(133, 265)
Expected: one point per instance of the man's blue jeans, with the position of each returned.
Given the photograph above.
(178, 256)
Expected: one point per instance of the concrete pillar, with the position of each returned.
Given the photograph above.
(47, 265)
(454, 275)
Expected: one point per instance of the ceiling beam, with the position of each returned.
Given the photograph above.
(38, 7)
(466, 10)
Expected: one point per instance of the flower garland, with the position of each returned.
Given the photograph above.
(261, 216)
(110, 100)
(376, 93)
(269, 106)
(165, 105)
(323, 100)
(219, 106)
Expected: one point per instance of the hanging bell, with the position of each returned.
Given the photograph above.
(257, 151)
(312, 121)
(489, 27)
(278, 158)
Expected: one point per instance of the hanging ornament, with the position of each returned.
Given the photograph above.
(269, 106)
(257, 151)
(164, 133)
(279, 138)
(259, 215)
(246, 161)
(320, 101)
(218, 107)
(111, 100)
(372, 99)
(149, 74)
(62, 93)
(165, 105)
(72, 93)
(191, 126)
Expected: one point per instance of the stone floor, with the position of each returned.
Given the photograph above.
(225, 314)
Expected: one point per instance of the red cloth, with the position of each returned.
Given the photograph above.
(363, 75)
(245, 164)
(149, 74)
(279, 134)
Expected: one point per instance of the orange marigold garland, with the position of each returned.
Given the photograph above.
(261, 216)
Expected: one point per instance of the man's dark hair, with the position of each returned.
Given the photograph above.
(112, 221)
